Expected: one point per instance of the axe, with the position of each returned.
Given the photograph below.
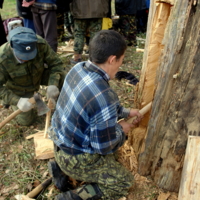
(40, 105)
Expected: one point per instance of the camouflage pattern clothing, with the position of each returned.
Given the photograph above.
(23, 79)
(60, 26)
(111, 177)
(128, 28)
(69, 22)
(81, 26)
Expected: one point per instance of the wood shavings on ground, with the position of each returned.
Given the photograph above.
(143, 187)
(167, 196)
(127, 157)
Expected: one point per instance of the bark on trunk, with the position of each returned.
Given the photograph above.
(176, 105)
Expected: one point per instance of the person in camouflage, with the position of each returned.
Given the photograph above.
(88, 17)
(127, 10)
(86, 130)
(26, 62)
(62, 8)
(128, 28)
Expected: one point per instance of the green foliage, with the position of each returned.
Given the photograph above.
(9, 9)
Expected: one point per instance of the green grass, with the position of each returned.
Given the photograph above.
(9, 9)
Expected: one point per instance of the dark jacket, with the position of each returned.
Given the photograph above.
(129, 7)
(1, 3)
(63, 5)
(88, 9)
(24, 12)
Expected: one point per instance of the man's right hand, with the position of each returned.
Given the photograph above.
(24, 105)
(126, 126)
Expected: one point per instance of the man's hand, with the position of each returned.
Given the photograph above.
(126, 126)
(24, 105)
(52, 92)
(26, 3)
(137, 114)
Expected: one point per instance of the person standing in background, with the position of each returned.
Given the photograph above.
(87, 16)
(62, 8)
(2, 31)
(45, 22)
(26, 14)
(127, 10)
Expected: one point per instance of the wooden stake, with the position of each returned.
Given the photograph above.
(48, 117)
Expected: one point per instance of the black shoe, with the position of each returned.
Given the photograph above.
(67, 196)
(60, 179)
(89, 192)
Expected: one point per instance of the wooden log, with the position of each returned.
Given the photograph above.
(190, 181)
(44, 147)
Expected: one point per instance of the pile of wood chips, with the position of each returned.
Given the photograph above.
(128, 158)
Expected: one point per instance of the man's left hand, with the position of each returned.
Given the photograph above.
(137, 114)
(52, 93)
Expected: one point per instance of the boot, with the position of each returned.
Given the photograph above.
(85, 192)
(60, 179)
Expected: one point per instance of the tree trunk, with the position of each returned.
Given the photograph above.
(176, 103)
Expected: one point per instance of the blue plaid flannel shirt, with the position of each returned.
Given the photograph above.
(87, 111)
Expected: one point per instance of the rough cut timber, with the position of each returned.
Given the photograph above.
(190, 181)
(176, 102)
(157, 22)
(44, 147)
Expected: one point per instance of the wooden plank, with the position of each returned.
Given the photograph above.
(190, 180)
(68, 49)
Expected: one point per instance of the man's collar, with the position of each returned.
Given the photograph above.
(94, 68)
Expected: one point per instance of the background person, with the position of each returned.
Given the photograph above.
(45, 21)
(88, 15)
(2, 31)
(127, 10)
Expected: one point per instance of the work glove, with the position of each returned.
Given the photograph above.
(52, 93)
(24, 105)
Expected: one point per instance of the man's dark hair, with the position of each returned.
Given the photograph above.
(104, 44)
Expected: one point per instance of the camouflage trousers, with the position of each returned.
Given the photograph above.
(68, 18)
(113, 179)
(83, 27)
(60, 25)
(128, 28)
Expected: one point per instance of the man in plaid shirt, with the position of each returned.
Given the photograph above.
(85, 126)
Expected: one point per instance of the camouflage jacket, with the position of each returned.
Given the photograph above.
(18, 78)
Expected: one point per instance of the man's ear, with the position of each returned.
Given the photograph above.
(111, 59)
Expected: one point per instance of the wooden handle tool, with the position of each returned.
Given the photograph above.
(14, 114)
(48, 117)
(143, 111)
(39, 188)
